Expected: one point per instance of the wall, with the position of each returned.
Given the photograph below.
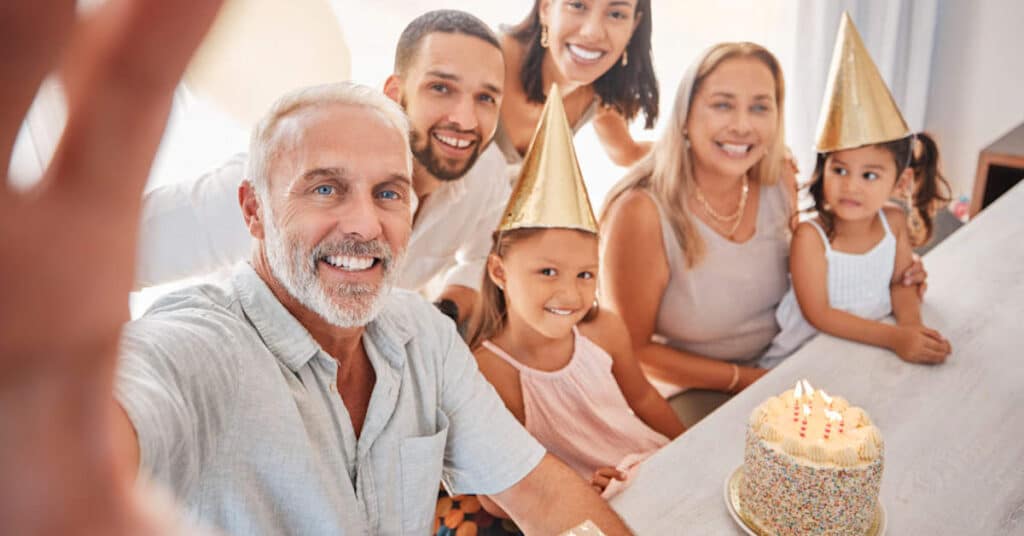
(258, 50)
(977, 82)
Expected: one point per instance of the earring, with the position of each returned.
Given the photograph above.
(544, 36)
(625, 58)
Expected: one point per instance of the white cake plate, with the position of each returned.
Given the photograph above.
(732, 502)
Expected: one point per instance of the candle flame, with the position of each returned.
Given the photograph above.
(798, 391)
(807, 387)
(807, 409)
(825, 397)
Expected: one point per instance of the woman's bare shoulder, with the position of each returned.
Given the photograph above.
(634, 208)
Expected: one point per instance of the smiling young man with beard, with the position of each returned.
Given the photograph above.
(449, 78)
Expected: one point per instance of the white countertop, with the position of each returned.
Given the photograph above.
(954, 433)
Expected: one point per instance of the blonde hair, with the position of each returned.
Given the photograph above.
(264, 147)
(667, 171)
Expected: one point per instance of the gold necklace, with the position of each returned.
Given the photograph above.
(736, 216)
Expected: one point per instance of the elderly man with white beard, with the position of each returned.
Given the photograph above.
(301, 394)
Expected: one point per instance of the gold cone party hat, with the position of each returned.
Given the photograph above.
(550, 192)
(858, 108)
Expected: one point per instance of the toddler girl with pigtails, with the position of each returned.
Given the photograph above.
(845, 261)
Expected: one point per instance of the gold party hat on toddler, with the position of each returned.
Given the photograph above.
(550, 192)
(858, 108)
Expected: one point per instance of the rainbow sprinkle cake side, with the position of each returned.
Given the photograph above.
(811, 471)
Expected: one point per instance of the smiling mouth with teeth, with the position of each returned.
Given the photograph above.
(585, 54)
(559, 312)
(735, 149)
(351, 263)
(452, 141)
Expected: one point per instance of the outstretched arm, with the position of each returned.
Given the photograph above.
(553, 498)
(69, 246)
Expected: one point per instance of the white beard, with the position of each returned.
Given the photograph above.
(346, 305)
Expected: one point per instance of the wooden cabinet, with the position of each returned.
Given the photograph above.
(1000, 167)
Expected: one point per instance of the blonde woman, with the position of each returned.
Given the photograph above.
(696, 236)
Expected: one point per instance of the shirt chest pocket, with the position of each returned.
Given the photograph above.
(421, 461)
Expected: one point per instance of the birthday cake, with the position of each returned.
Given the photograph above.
(813, 465)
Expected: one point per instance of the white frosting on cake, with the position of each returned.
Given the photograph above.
(821, 430)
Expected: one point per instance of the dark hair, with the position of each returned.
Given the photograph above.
(628, 89)
(491, 316)
(930, 190)
(441, 20)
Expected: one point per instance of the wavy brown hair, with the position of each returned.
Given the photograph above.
(629, 89)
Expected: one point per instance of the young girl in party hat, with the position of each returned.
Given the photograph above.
(845, 261)
(564, 368)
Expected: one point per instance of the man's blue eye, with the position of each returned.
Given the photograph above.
(324, 189)
(390, 195)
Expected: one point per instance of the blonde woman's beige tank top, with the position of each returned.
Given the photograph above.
(724, 307)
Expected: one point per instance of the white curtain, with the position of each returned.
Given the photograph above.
(900, 36)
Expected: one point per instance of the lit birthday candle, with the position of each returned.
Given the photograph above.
(808, 392)
(825, 397)
(798, 393)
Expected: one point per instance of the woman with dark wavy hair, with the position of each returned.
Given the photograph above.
(599, 54)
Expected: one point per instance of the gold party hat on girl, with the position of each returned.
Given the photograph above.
(550, 192)
(858, 108)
